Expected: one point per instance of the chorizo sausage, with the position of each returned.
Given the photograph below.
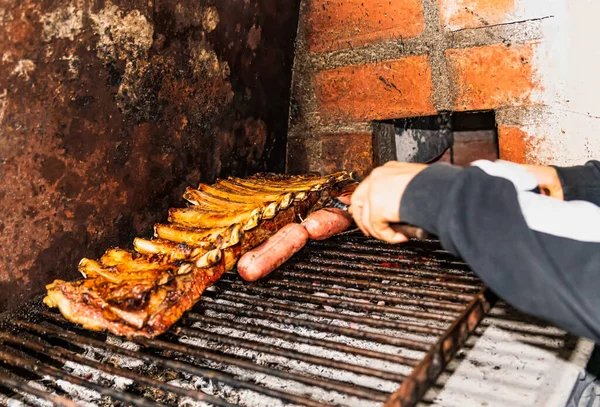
(346, 194)
(326, 223)
(275, 251)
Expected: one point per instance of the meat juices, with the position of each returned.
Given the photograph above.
(275, 251)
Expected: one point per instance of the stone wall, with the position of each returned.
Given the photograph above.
(109, 109)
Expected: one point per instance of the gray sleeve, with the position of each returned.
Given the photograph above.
(581, 182)
(539, 254)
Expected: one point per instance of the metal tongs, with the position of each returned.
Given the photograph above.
(410, 231)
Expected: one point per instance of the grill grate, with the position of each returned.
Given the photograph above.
(349, 321)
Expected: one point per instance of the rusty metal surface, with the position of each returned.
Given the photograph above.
(427, 371)
(349, 321)
(109, 109)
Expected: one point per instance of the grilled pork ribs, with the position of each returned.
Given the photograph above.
(146, 290)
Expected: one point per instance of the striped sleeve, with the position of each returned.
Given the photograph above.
(540, 254)
(581, 182)
(544, 214)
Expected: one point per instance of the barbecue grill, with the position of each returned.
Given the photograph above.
(349, 321)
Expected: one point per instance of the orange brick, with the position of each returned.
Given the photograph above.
(328, 153)
(458, 14)
(336, 24)
(517, 145)
(493, 76)
(348, 152)
(393, 89)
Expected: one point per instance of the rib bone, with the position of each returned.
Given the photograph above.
(145, 291)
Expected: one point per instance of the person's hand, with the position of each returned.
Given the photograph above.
(376, 202)
(548, 180)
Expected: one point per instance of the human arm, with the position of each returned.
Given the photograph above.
(581, 182)
(576, 183)
(540, 254)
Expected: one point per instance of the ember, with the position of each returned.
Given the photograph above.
(347, 341)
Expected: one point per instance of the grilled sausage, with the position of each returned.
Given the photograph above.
(275, 251)
(326, 223)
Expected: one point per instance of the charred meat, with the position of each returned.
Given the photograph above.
(144, 291)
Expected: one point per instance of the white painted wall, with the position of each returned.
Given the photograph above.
(568, 64)
(565, 126)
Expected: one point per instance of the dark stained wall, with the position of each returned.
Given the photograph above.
(108, 110)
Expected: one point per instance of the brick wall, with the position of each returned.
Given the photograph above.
(360, 61)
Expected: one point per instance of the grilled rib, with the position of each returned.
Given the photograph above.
(200, 219)
(145, 291)
(205, 201)
(258, 197)
(224, 237)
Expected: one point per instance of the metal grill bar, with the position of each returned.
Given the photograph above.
(383, 258)
(343, 303)
(371, 296)
(456, 297)
(36, 367)
(425, 374)
(349, 322)
(60, 354)
(409, 327)
(391, 267)
(282, 319)
(357, 242)
(293, 337)
(290, 353)
(322, 267)
(10, 383)
(64, 355)
(202, 353)
(334, 385)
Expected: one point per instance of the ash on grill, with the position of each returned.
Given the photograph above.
(349, 321)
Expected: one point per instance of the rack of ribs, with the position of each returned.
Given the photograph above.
(144, 291)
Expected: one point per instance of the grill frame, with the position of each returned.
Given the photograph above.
(342, 272)
(428, 370)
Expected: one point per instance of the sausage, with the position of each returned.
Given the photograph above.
(326, 223)
(275, 251)
(346, 194)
